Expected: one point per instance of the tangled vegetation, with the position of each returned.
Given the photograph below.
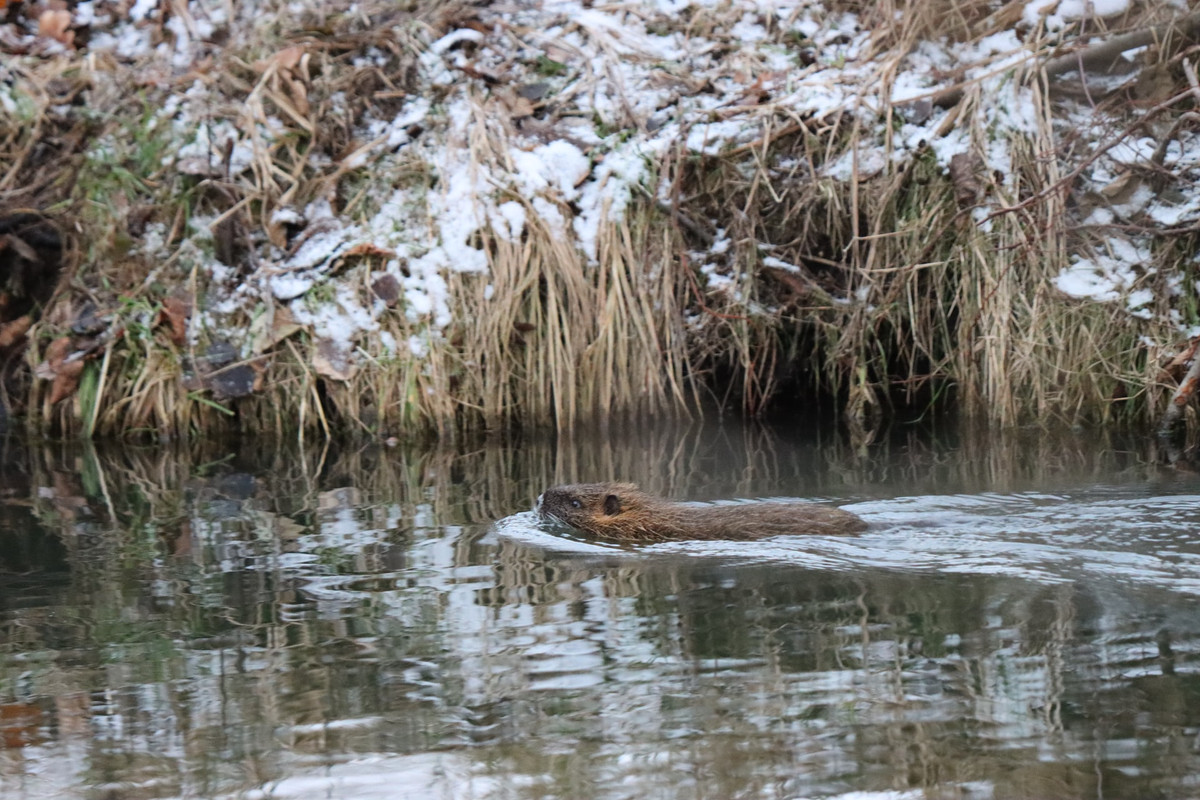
(387, 218)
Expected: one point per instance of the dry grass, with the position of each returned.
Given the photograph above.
(944, 302)
(896, 295)
(480, 479)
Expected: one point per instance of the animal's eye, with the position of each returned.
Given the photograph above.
(576, 504)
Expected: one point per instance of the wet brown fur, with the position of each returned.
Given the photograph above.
(623, 512)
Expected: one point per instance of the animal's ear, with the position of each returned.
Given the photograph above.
(612, 505)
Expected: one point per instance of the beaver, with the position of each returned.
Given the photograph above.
(623, 512)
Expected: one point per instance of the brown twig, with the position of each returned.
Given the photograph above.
(1091, 159)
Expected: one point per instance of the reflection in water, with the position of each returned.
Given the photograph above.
(1018, 622)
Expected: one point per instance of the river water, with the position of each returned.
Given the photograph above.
(255, 620)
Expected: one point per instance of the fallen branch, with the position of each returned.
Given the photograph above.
(1104, 54)
(1094, 57)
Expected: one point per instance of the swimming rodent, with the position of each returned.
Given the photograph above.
(623, 512)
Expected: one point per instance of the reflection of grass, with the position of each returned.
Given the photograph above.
(133, 642)
(165, 518)
(336, 560)
(209, 648)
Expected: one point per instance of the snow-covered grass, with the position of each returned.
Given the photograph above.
(449, 214)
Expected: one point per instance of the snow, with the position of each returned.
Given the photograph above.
(129, 42)
(285, 215)
(1169, 214)
(205, 153)
(559, 165)
(509, 220)
(1058, 13)
(549, 214)
(711, 138)
(459, 216)
(771, 261)
(142, 9)
(638, 85)
(1096, 279)
(857, 164)
(319, 248)
(606, 196)
(340, 321)
(1110, 276)
(454, 39)
(716, 281)
(413, 113)
(288, 287)
(85, 15)
(1076, 9)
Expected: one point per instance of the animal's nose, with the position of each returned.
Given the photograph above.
(538, 505)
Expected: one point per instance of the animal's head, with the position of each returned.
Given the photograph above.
(587, 506)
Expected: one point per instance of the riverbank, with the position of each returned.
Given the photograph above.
(373, 218)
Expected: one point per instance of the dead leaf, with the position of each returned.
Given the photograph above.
(387, 289)
(286, 76)
(1155, 84)
(333, 361)
(175, 312)
(57, 351)
(260, 375)
(66, 382)
(56, 25)
(277, 233)
(20, 245)
(193, 382)
(299, 93)
(1175, 368)
(289, 57)
(284, 324)
(268, 331)
(459, 15)
(220, 353)
(1120, 190)
(345, 497)
(14, 331)
(285, 529)
(963, 174)
(518, 107)
(533, 92)
(12, 42)
(288, 107)
(368, 249)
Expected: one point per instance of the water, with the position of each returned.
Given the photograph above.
(1020, 620)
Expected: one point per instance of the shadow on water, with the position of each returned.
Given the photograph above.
(353, 622)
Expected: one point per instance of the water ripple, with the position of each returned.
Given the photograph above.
(1043, 537)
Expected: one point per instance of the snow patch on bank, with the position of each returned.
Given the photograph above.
(555, 114)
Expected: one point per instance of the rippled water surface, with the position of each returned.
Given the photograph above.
(1020, 620)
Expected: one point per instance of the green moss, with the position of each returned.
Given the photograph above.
(549, 67)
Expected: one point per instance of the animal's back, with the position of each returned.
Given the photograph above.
(762, 520)
(622, 512)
